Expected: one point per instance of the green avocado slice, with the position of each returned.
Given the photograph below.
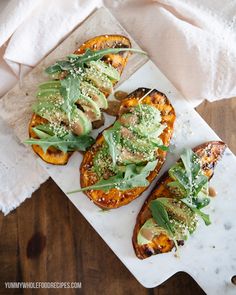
(98, 79)
(81, 124)
(148, 231)
(97, 96)
(50, 85)
(47, 92)
(106, 69)
(90, 107)
(180, 213)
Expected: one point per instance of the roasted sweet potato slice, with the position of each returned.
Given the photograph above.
(115, 198)
(209, 153)
(53, 155)
(118, 61)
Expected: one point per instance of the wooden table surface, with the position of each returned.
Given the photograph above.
(47, 239)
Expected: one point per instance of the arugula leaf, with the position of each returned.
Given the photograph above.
(177, 173)
(53, 69)
(40, 133)
(79, 60)
(112, 137)
(67, 143)
(190, 184)
(44, 128)
(200, 181)
(204, 216)
(134, 176)
(187, 175)
(64, 65)
(91, 55)
(104, 184)
(70, 91)
(161, 217)
(202, 199)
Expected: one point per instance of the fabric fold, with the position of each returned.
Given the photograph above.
(193, 42)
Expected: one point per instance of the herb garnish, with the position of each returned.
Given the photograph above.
(66, 143)
(57, 98)
(78, 61)
(133, 176)
(112, 137)
(161, 217)
(70, 91)
(190, 184)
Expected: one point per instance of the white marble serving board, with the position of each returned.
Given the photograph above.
(209, 255)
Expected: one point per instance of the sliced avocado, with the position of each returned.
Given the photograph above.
(136, 150)
(106, 69)
(45, 109)
(98, 79)
(48, 92)
(140, 145)
(149, 130)
(93, 92)
(180, 213)
(50, 85)
(127, 157)
(178, 186)
(80, 124)
(90, 107)
(148, 231)
(149, 121)
(102, 161)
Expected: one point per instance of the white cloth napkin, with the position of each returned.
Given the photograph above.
(192, 42)
(29, 30)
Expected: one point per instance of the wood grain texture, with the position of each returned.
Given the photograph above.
(64, 247)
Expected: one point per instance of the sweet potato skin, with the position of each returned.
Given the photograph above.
(210, 153)
(119, 61)
(115, 198)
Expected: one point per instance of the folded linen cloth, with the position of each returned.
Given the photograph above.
(28, 31)
(192, 42)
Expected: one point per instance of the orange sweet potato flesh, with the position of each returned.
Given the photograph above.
(209, 153)
(115, 198)
(118, 61)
